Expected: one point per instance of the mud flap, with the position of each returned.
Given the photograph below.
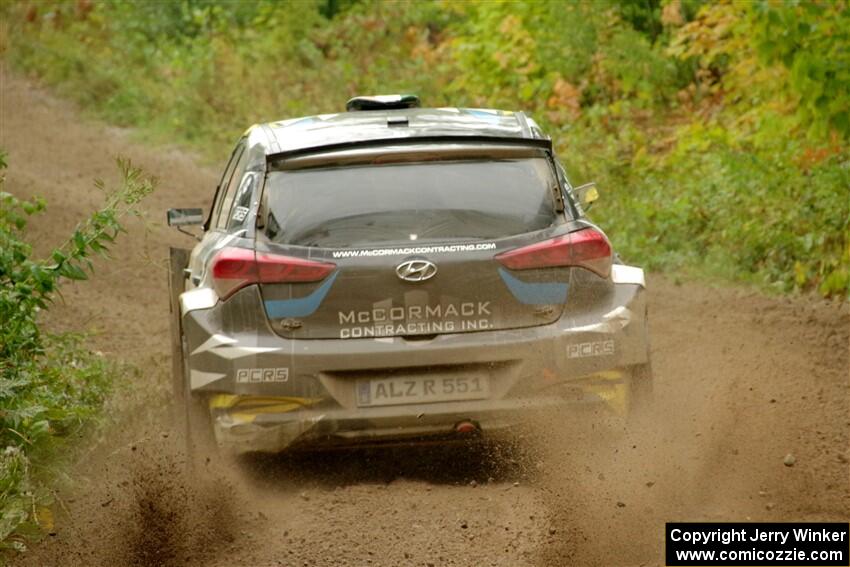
(189, 416)
(640, 393)
(178, 260)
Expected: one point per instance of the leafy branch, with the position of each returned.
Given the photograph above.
(50, 385)
(27, 285)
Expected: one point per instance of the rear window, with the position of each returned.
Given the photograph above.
(411, 201)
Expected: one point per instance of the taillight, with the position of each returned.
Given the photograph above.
(234, 268)
(587, 248)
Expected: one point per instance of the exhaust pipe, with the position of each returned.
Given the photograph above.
(466, 427)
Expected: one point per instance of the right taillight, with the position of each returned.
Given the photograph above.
(587, 248)
(235, 268)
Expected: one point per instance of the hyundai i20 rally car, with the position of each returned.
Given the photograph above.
(396, 273)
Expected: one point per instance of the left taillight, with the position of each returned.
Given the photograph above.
(587, 248)
(234, 268)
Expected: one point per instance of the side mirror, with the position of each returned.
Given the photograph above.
(178, 218)
(586, 194)
(185, 217)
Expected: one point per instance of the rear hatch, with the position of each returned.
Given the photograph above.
(405, 245)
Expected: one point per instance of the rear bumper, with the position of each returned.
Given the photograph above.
(267, 393)
(242, 432)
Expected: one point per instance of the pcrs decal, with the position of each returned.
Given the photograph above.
(261, 375)
(591, 348)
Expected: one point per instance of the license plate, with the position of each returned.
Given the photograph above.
(421, 390)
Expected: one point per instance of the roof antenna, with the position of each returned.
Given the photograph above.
(383, 102)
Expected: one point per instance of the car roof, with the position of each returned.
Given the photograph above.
(408, 123)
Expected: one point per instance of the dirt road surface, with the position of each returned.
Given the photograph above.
(742, 381)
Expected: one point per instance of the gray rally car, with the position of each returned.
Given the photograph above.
(395, 273)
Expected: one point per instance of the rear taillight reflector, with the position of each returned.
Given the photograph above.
(587, 248)
(234, 268)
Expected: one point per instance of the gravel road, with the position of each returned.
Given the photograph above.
(743, 380)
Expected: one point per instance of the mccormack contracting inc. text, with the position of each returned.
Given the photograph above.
(744, 544)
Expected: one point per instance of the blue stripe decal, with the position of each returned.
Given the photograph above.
(535, 293)
(491, 117)
(302, 306)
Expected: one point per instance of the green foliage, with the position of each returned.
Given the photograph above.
(811, 40)
(50, 386)
(788, 230)
(718, 130)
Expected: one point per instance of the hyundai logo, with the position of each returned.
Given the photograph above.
(416, 270)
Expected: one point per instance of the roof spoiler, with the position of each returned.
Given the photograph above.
(543, 144)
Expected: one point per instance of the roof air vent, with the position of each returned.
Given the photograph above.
(382, 102)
